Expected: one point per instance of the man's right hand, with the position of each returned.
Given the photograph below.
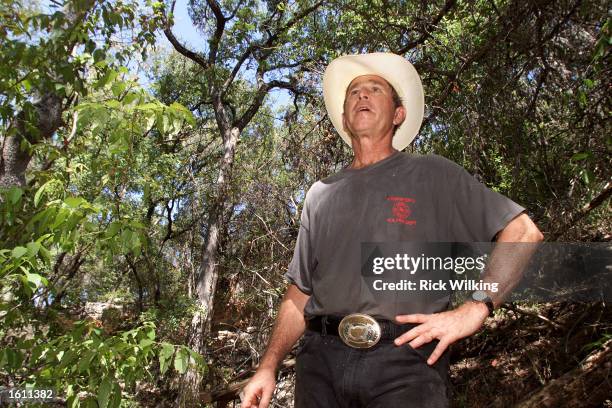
(289, 326)
(258, 392)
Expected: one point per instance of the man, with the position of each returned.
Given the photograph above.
(359, 350)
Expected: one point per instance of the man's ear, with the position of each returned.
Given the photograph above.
(400, 115)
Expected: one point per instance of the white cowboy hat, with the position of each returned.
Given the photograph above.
(394, 69)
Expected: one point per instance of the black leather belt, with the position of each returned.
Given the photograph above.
(365, 327)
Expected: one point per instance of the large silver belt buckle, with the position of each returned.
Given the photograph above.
(359, 330)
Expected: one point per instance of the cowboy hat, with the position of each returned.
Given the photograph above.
(394, 69)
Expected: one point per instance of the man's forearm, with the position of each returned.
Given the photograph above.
(515, 246)
(289, 326)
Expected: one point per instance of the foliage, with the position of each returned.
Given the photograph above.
(38, 49)
(93, 369)
(117, 202)
(72, 210)
(52, 218)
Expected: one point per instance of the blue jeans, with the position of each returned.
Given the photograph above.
(330, 374)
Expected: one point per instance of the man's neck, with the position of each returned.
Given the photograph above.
(368, 152)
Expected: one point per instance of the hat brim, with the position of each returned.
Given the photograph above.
(396, 70)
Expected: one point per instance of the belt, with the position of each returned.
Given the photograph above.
(358, 330)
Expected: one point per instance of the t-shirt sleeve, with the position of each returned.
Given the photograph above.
(479, 212)
(300, 269)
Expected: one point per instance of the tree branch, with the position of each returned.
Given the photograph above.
(258, 100)
(180, 48)
(268, 43)
(237, 67)
(603, 195)
(557, 27)
(429, 28)
(220, 27)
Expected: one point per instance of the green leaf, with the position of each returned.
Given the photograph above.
(118, 88)
(177, 124)
(113, 104)
(163, 123)
(150, 332)
(104, 392)
(580, 156)
(74, 202)
(181, 360)
(45, 253)
(40, 192)
(33, 248)
(85, 361)
(108, 77)
(196, 357)
(18, 252)
(126, 239)
(34, 278)
(14, 195)
(185, 113)
(113, 229)
(67, 358)
(73, 402)
(119, 147)
(61, 216)
(14, 358)
(150, 106)
(164, 356)
(146, 193)
(150, 121)
(98, 55)
(145, 343)
(116, 398)
(587, 177)
(129, 98)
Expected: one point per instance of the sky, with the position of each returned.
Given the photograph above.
(184, 29)
(188, 35)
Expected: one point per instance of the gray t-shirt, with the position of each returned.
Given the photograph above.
(403, 198)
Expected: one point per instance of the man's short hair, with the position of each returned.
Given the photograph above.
(397, 101)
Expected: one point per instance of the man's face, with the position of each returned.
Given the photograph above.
(369, 107)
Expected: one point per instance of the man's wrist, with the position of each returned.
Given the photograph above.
(267, 370)
(482, 297)
(268, 366)
(480, 307)
(270, 362)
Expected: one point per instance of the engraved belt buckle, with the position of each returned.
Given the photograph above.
(359, 330)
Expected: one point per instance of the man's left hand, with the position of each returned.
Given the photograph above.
(447, 327)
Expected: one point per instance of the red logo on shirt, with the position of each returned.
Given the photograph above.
(401, 210)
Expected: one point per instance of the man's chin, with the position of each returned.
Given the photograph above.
(364, 127)
(363, 134)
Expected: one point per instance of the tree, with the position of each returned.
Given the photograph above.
(268, 39)
(43, 74)
(70, 208)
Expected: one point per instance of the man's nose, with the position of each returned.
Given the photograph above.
(364, 94)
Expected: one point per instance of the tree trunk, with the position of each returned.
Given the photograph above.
(208, 273)
(14, 160)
